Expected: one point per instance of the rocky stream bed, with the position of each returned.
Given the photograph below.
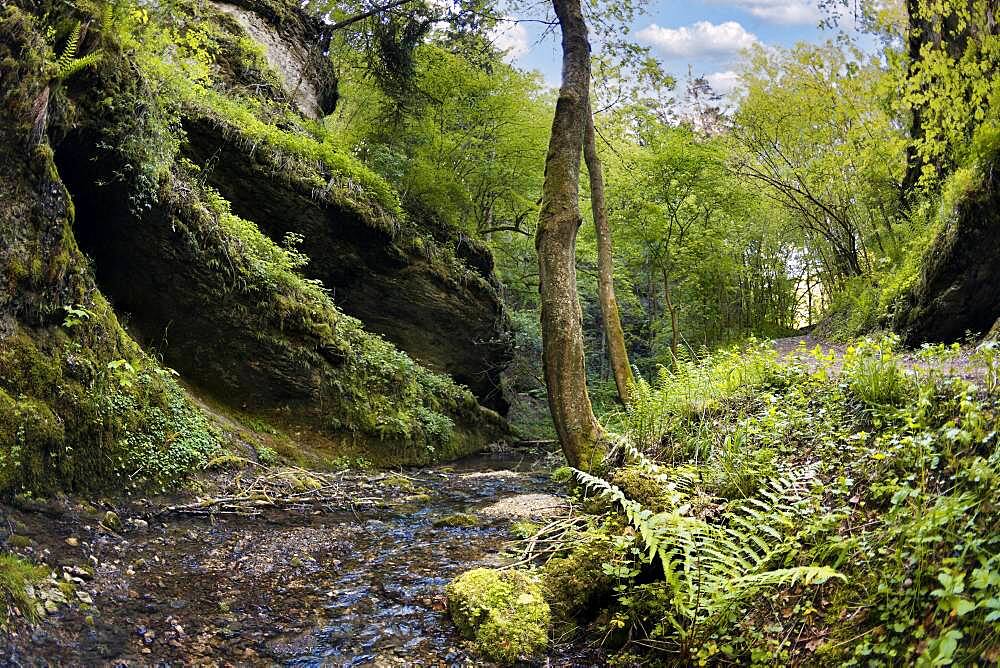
(307, 582)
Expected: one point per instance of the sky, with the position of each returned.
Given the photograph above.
(707, 35)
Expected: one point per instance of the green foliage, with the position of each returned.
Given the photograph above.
(502, 611)
(68, 63)
(854, 467)
(693, 390)
(468, 152)
(874, 375)
(712, 568)
(17, 578)
(988, 354)
(841, 202)
(952, 84)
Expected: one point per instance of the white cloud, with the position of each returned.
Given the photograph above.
(699, 39)
(512, 39)
(723, 83)
(787, 12)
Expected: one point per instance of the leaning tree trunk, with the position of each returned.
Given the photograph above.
(605, 266)
(674, 329)
(562, 320)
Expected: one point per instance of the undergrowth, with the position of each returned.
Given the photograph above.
(17, 579)
(831, 509)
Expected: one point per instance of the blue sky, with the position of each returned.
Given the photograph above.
(708, 35)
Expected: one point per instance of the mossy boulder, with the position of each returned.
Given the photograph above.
(457, 520)
(503, 612)
(642, 486)
(576, 584)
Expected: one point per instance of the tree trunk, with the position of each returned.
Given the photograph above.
(605, 266)
(562, 320)
(674, 331)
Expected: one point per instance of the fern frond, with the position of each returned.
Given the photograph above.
(739, 588)
(78, 64)
(69, 50)
(710, 568)
(68, 64)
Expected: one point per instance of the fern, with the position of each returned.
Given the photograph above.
(712, 568)
(68, 64)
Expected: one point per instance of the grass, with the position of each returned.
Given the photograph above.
(874, 375)
(17, 578)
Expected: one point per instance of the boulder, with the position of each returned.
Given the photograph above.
(503, 612)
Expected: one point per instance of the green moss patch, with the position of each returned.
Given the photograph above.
(504, 612)
(457, 520)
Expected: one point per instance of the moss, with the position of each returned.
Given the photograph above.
(562, 474)
(576, 584)
(17, 578)
(68, 589)
(457, 520)
(19, 541)
(502, 611)
(642, 486)
(524, 529)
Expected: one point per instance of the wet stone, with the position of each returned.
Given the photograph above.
(361, 586)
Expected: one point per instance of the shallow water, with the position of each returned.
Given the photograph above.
(361, 587)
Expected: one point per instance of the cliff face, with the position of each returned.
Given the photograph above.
(443, 312)
(177, 151)
(958, 291)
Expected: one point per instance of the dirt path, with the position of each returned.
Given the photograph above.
(341, 586)
(961, 364)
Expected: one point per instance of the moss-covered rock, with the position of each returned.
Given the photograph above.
(504, 612)
(457, 520)
(642, 486)
(81, 405)
(81, 402)
(17, 578)
(576, 584)
(401, 283)
(958, 290)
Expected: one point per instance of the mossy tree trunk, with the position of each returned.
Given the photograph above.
(610, 314)
(562, 331)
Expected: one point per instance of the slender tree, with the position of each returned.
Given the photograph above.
(610, 315)
(562, 321)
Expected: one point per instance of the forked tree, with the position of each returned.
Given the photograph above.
(579, 432)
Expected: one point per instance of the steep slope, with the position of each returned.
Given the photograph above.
(958, 290)
(205, 289)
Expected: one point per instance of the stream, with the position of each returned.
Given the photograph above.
(354, 586)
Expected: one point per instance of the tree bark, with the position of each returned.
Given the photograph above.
(562, 320)
(610, 315)
(674, 329)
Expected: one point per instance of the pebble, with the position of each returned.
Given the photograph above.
(72, 541)
(112, 521)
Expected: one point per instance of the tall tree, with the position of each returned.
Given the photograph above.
(610, 315)
(579, 432)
